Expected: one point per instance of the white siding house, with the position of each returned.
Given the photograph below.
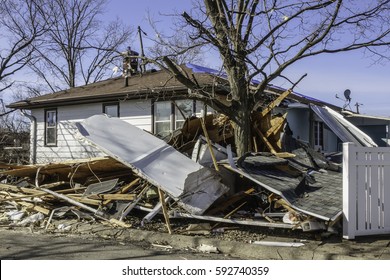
(67, 146)
(153, 101)
(157, 102)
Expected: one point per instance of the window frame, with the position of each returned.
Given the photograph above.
(104, 110)
(319, 134)
(47, 127)
(173, 111)
(154, 117)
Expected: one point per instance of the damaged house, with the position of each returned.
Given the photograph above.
(156, 102)
(286, 182)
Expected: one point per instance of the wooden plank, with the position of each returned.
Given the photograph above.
(264, 139)
(85, 200)
(275, 103)
(34, 207)
(113, 196)
(230, 201)
(277, 124)
(209, 144)
(165, 211)
(124, 189)
(74, 202)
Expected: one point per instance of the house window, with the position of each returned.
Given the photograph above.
(51, 127)
(183, 109)
(169, 116)
(111, 109)
(319, 135)
(162, 118)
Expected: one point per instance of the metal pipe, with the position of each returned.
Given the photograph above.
(33, 136)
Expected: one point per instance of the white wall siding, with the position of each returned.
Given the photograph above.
(138, 113)
(299, 122)
(68, 147)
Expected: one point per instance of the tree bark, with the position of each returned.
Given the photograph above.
(242, 130)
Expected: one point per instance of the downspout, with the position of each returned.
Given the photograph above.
(33, 137)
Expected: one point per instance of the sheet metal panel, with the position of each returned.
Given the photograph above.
(152, 159)
(334, 125)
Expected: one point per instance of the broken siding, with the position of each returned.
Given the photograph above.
(137, 113)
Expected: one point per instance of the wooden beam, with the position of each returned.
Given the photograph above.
(165, 211)
(276, 126)
(124, 189)
(264, 139)
(113, 196)
(275, 103)
(209, 144)
(34, 207)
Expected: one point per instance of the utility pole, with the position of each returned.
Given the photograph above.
(357, 107)
(140, 31)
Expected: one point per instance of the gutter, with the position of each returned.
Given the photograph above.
(33, 137)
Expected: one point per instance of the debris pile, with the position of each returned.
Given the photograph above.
(200, 180)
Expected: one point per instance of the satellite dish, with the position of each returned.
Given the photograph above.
(347, 94)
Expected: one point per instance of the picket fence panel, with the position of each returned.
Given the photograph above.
(366, 190)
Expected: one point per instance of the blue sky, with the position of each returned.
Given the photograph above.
(328, 75)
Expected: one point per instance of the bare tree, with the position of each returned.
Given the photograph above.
(78, 48)
(262, 38)
(20, 30)
(176, 47)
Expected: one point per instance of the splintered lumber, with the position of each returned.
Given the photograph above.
(85, 200)
(277, 125)
(113, 196)
(155, 210)
(73, 201)
(227, 216)
(275, 103)
(17, 196)
(134, 203)
(165, 211)
(124, 189)
(34, 207)
(119, 223)
(76, 169)
(230, 201)
(209, 144)
(265, 140)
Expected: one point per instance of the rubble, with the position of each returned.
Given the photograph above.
(192, 176)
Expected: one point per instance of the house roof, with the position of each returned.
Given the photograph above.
(151, 84)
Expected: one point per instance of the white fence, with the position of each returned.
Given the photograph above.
(366, 190)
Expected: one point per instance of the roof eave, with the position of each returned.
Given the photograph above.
(141, 94)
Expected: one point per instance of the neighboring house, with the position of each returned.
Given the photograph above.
(312, 124)
(156, 102)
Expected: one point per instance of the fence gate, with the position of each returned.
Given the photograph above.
(366, 190)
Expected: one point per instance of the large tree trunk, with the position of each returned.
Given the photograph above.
(242, 105)
(242, 128)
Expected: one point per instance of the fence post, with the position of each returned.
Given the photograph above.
(349, 190)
